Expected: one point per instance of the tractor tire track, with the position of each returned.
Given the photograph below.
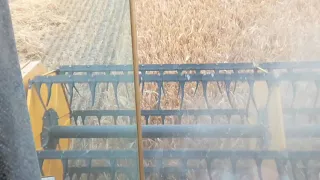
(67, 44)
(52, 40)
(90, 51)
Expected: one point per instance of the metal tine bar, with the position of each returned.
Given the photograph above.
(179, 113)
(189, 112)
(163, 131)
(304, 156)
(210, 66)
(178, 131)
(165, 171)
(243, 77)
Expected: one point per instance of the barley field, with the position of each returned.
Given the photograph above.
(71, 32)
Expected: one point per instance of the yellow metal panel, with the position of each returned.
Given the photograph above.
(58, 102)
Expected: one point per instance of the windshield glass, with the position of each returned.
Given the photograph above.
(227, 89)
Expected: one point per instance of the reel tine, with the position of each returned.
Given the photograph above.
(115, 119)
(40, 165)
(195, 91)
(197, 85)
(162, 84)
(147, 119)
(65, 168)
(93, 86)
(179, 73)
(235, 83)
(294, 169)
(83, 118)
(49, 86)
(159, 94)
(281, 169)
(75, 119)
(89, 162)
(163, 118)
(251, 95)
(131, 120)
(259, 167)
(205, 85)
(227, 176)
(143, 73)
(317, 93)
(219, 87)
(305, 169)
(113, 168)
(182, 93)
(99, 119)
(234, 166)
(179, 119)
(184, 170)
(229, 118)
(38, 91)
(115, 90)
(209, 168)
(294, 91)
(71, 86)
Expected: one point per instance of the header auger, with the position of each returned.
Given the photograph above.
(267, 118)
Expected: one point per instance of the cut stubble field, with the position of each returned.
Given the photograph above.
(87, 32)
